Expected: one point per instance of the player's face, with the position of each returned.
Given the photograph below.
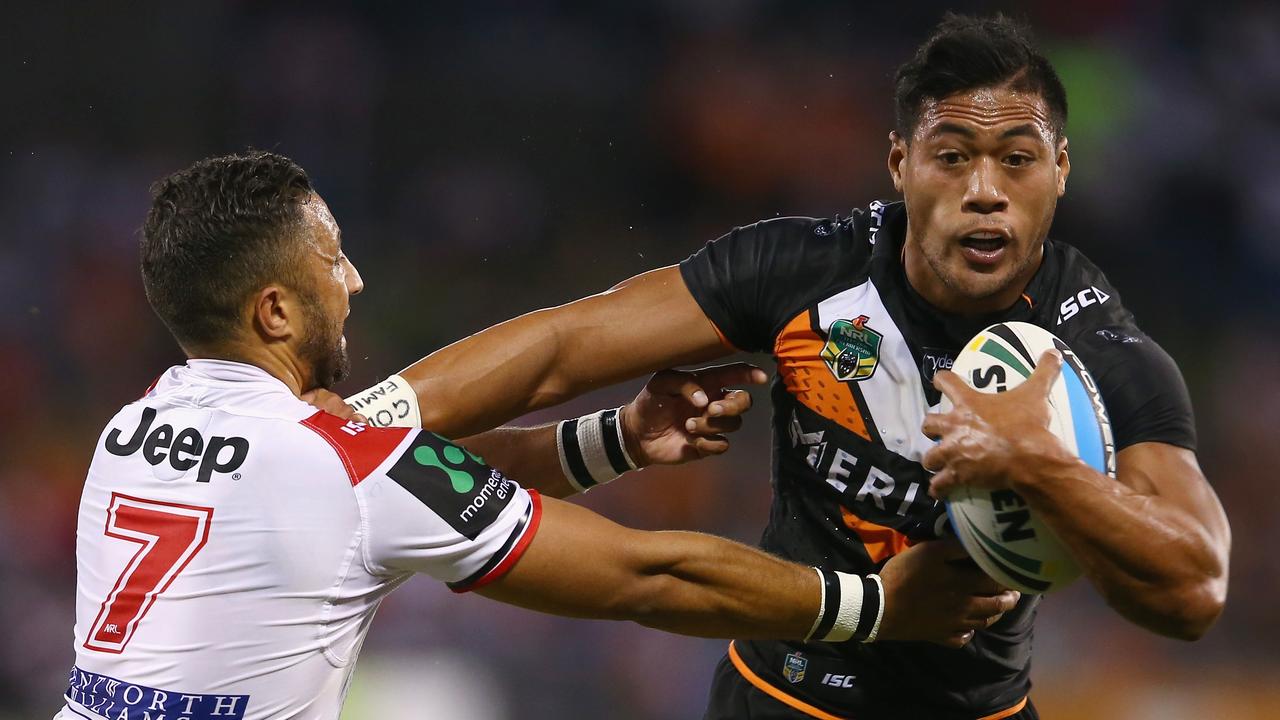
(335, 280)
(981, 177)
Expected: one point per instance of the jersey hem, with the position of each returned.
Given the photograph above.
(762, 685)
(815, 712)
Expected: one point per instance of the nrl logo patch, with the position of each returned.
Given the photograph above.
(853, 349)
(794, 666)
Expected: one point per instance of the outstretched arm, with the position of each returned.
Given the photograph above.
(1155, 543)
(543, 358)
(677, 417)
(581, 565)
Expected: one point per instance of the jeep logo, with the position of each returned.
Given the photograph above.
(184, 451)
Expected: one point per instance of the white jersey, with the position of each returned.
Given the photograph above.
(234, 543)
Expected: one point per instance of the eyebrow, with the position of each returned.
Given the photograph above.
(1023, 130)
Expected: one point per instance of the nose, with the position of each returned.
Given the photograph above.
(983, 194)
(355, 283)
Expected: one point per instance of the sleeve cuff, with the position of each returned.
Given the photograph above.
(511, 552)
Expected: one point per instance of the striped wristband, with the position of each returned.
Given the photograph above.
(851, 609)
(592, 450)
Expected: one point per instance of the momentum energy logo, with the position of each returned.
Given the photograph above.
(454, 483)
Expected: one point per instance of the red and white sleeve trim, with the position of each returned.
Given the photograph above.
(511, 551)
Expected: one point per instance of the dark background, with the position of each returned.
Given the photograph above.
(491, 159)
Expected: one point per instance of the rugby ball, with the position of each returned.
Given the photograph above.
(1002, 534)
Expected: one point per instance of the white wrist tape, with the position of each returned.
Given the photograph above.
(822, 604)
(875, 629)
(852, 608)
(390, 403)
(592, 449)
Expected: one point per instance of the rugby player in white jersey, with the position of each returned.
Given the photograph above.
(233, 542)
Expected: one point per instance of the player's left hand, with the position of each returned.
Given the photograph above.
(987, 439)
(684, 415)
(333, 404)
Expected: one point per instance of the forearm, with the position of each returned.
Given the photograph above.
(526, 454)
(583, 565)
(546, 357)
(1158, 565)
(709, 587)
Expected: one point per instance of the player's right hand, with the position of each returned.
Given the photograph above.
(935, 593)
(333, 404)
(684, 415)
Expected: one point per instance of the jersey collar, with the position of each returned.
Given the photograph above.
(229, 371)
(943, 329)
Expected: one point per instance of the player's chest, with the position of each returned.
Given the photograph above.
(848, 360)
(852, 395)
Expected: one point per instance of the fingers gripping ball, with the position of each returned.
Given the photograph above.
(997, 528)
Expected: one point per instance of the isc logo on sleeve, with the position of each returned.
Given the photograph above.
(457, 485)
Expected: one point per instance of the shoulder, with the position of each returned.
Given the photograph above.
(809, 252)
(1079, 296)
(1141, 384)
(360, 448)
(793, 228)
(751, 280)
(802, 235)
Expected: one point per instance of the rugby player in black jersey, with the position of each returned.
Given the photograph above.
(861, 313)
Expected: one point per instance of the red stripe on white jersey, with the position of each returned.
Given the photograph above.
(362, 448)
(152, 386)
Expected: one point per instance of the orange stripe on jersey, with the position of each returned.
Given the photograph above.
(773, 692)
(1006, 712)
(881, 542)
(798, 350)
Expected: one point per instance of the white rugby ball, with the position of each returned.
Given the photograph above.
(1000, 532)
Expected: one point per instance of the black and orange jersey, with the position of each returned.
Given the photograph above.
(856, 350)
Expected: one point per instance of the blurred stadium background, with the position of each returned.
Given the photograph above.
(486, 159)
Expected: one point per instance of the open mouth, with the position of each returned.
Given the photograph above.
(983, 248)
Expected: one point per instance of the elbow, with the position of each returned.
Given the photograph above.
(1184, 613)
(1200, 608)
(1197, 604)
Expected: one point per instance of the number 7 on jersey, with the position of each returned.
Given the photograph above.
(168, 535)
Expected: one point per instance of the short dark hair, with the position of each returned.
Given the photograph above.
(216, 233)
(967, 53)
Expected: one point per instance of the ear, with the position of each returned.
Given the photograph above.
(897, 156)
(273, 312)
(1064, 166)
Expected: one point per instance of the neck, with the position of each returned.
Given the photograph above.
(926, 282)
(276, 359)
